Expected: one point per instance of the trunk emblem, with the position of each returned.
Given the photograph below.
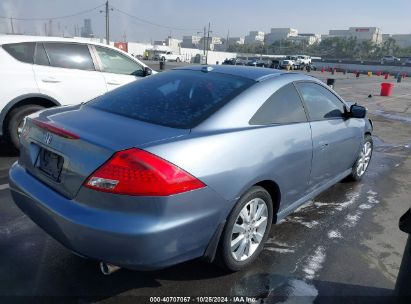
(48, 138)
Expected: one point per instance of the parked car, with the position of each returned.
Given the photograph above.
(41, 72)
(275, 64)
(192, 162)
(169, 56)
(233, 61)
(257, 63)
(303, 60)
(390, 59)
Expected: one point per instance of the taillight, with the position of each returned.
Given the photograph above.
(137, 172)
(54, 128)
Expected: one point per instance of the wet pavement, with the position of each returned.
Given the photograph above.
(342, 247)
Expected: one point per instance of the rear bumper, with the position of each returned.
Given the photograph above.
(140, 233)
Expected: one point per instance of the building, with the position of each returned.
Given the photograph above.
(190, 42)
(372, 34)
(212, 42)
(86, 30)
(235, 41)
(277, 34)
(402, 40)
(339, 33)
(306, 37)
(172, 44)
(159, 42)
(254, 37)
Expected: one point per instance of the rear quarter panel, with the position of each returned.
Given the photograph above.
(230, 162)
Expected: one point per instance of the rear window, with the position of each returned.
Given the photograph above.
(177, 99)
(23, 52)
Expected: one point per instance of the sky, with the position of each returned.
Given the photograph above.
(187, 17)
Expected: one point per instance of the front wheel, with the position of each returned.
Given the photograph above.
(246, 230)
(363, 160)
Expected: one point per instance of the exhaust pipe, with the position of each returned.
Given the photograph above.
(108, 269)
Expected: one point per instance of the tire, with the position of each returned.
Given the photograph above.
(234, 258)
(163, 59)
(177, 59)
(15, 120)
(367, 149)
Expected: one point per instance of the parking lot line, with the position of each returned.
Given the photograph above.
(4, 187)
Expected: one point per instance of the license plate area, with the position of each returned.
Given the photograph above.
(50, 164)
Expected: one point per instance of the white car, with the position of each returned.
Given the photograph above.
(41, 72)
(169, 56)
(390, 59)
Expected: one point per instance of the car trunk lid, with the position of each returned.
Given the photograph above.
(63, 146)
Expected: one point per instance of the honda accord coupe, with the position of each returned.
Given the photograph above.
(193, 162)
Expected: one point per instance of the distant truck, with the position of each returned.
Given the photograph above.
(303, 60)
(290, 62)
(169, 56)
(296, 62)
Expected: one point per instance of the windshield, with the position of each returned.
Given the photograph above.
(178, 99)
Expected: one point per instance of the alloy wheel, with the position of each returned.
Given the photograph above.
(249, 229)
(364, 159)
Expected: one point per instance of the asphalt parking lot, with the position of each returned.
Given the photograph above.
(344, 243)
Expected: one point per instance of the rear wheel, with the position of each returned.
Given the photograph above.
(363, 160)
(178, 59)
(15, 122)
(246, 230)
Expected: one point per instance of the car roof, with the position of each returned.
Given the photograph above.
(254, 73)
(5, 39)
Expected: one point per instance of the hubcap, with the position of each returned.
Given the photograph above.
(364, 159)
(249, 229)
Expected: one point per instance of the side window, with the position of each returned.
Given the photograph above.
(23, 52)
(40, 56)
(69, 56)
(115, 62)
(321, 103)
(284, 106)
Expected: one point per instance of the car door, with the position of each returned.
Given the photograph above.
(117, 68)
(288, 138)
(66, 72)
(336, 139)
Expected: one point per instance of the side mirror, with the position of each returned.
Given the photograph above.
(357, 111)
(147, 71)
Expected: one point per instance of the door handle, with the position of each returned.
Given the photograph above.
(113, 82)
(50, 80)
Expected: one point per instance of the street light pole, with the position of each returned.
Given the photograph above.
(208, 44)
(12, 26)
(107, 24)
(204, 41)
